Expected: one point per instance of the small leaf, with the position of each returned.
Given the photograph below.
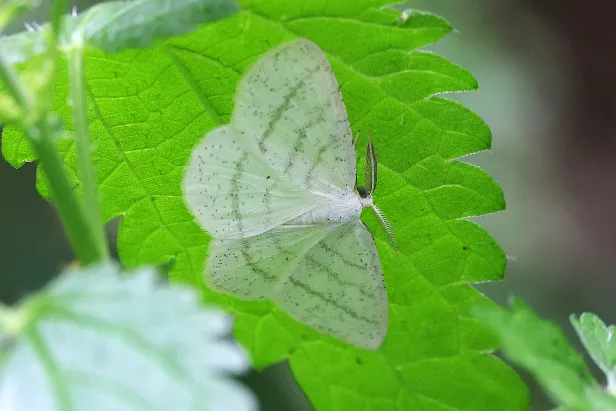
(540, 347)
(97, 340)
(118, 25)
(114, 26)
(600, 343)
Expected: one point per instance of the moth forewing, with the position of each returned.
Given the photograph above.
(370, 170)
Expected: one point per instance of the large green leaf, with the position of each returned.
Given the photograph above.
(149, 108)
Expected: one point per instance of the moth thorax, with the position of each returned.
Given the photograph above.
(340, 209)
(366, 201)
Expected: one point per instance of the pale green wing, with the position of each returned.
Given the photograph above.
(233, 193)
(338, 288)
(289, 107)
(251, 268)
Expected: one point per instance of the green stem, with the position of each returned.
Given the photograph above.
(84, 151)
(39, 129)
(71, 211)
(59, 8)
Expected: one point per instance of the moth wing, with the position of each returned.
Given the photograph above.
(338, 288)
(233, 193)
(290, 107)
(252, 268)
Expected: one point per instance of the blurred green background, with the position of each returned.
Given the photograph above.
(547, 79)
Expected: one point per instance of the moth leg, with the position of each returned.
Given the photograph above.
(356, 138)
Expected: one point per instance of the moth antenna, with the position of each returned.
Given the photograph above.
(388, 229)
(354, 142)
(371, 168)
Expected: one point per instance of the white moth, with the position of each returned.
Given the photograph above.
(276, 189)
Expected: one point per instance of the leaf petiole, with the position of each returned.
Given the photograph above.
(84, 151)
(71, 211)
(40, 130)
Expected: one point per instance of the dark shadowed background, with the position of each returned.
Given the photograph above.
(547, 89)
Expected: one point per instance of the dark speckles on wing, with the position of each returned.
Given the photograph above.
(306, 288)
(283, 249)
(267, 201)
(325, 269)
(249, 258)
(290, 119)
(277, 113)
(317, 162)
(297, 148)
(337, 293)
(252, 267)
(234, 192)
(291, 104)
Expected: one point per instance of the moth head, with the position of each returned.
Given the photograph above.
(363, 192)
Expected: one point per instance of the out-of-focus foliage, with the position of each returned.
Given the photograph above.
(541, 347)
(600, 342)
(9, 9)
(98, 339)
(116, 25)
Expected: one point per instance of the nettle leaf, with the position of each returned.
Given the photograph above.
(148, 108)
(541, 347)
(101, 340)
(600, 342)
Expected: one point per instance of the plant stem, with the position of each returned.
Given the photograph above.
(42, 139)
(59, 8)
(71, 211)
(84, 151)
